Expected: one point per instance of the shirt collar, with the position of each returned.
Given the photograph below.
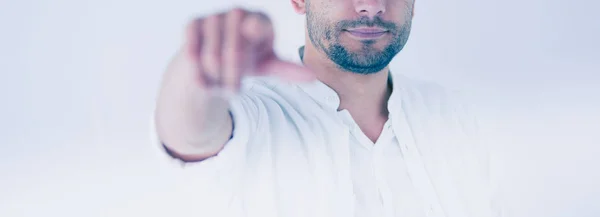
(328, 99)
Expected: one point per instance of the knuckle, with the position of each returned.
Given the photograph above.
(257, 28)
(193, 25)
(214, 18)
(262, 16)
(263, 19)
(236, 12)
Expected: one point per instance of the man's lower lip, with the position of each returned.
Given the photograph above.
(367, 34)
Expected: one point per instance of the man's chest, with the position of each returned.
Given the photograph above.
(381, 184)
(324, 168)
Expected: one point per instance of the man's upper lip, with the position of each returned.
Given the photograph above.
(367, 30)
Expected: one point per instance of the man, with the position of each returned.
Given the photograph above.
(338, 136)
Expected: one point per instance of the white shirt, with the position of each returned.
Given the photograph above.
(373, 167)
(293, 154)
(379, 177)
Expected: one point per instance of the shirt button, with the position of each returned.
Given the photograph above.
(430, 211)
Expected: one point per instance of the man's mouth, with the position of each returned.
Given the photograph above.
(367, 32)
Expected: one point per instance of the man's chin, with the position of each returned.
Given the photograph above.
(362, 69)
(365, 61)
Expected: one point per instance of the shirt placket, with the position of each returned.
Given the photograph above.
(376, 164)
(416, 168)
(379, 166)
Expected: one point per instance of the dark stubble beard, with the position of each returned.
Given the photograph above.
(366, 61)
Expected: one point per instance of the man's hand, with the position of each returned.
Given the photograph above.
(192, 117)
(225, 47)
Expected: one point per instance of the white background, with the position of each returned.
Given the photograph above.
(79, 77)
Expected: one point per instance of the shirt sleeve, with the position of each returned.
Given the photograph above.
(211, 187)
(230, 160)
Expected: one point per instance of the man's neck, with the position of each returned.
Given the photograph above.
(364, 96)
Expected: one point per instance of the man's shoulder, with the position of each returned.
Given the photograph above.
(253, 83)
(430, 94)
(450, 114)
(275, 92)
(439, 104)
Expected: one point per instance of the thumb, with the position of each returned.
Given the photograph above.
(287, 70)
